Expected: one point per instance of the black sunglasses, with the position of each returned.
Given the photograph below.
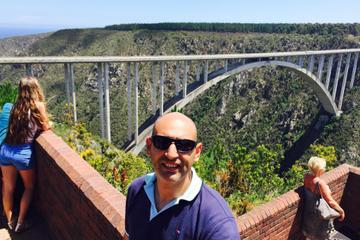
(182, 145)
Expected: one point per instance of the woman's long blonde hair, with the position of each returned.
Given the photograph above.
(29, 93)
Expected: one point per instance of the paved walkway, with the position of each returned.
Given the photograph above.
(37, 232)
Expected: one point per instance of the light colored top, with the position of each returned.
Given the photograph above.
(189, 194)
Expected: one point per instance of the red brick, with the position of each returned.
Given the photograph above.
(60, 187)
(89, 196)
(241, 225)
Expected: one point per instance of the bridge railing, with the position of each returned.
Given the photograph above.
(326, 66)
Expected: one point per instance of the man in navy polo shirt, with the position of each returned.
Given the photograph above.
(173, 202)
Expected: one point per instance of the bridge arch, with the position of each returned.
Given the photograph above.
(320, 90)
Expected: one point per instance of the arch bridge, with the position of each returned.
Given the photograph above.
(330, 73)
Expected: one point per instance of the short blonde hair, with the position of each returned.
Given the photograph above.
(316, 164)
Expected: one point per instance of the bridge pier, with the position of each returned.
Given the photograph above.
(107, 102)
(177, 78)
(354, 70)
(29, 70)
(154, 88)
(136, 114)
(198, 71)
(320, 68)
(67, 83)
(185, 78)
(328, 73)
(344, 81)
(206, 71)
(301, 61)
(310, 67)
(100, 76)
(225, 65)
(129, 94)
(70, 89)
(337, 75)
(162, 79)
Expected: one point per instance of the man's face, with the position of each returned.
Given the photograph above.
(171, 165)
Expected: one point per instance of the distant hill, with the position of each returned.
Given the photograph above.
(279, 28)
(19, 46)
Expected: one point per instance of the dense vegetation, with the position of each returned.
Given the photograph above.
(248, 122)
(308, 28)
(7, 94)
(247, 177)
(344, 132)
(116, 166)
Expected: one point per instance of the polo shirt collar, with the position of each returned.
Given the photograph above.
(189, 194)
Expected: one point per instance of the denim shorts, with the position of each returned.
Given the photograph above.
(19, 156)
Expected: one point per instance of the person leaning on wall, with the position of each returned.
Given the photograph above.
(314, 227)
(28, 118)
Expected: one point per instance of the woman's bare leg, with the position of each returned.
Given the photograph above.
(28, 177)
(9, 176)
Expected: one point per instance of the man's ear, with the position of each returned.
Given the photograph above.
(148, 146)
(198, 149)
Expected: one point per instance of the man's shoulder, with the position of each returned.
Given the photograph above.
(138, 181)
(216, 220)
(213, 202)
(137, 184)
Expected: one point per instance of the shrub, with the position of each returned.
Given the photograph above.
(244, 177)
(116, 166)
(8, 93)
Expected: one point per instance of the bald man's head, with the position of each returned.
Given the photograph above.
(175, 125)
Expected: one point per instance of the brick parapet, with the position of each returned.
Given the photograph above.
(351, 202)
(281, 218)
(76, 201)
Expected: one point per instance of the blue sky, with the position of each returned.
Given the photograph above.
(51, 14)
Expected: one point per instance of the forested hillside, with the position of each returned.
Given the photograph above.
(309, 28)
(257, 127)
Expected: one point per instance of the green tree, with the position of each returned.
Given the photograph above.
(8, 93)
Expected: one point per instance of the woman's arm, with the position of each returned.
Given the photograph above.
(44, 118)
(326, 194)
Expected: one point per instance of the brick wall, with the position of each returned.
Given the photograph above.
(281, 217)
(78, 203)
(74, 199)
(351, 203)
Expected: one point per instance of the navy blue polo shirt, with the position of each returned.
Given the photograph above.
(206, 216)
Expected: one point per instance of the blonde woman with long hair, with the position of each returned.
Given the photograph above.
(27, 119)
